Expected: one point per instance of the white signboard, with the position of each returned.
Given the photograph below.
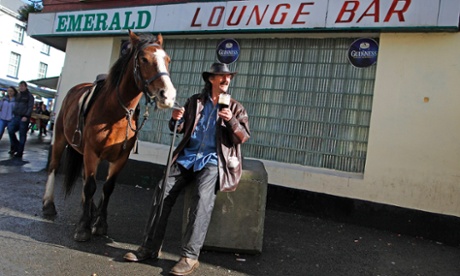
(105, 21)
(231, 16)
(383, 13)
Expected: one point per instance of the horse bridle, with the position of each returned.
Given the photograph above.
(145, 83)
(145, 90)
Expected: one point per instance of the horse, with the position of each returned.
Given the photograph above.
(105, 127)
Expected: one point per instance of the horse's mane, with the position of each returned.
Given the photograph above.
(119, 68)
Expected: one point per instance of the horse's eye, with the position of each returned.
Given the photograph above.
(144, 60)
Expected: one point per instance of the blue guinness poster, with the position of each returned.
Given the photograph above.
(228, 51)
(363, 52)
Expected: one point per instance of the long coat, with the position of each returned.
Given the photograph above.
(229, 136)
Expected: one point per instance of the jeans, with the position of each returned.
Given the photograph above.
(204, 194)
(14, 125)
(3, 125)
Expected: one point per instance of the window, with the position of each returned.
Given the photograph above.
(43, 67)
(18, 34)
(307, 104)
(13, 65)
(45, 49)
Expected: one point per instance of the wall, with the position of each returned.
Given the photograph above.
(414, 151)
(85, 59)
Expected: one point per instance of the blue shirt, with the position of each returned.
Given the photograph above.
(201, 148)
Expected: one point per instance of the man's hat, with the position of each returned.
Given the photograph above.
(217, 69)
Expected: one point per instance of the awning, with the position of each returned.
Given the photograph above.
(7, 83)
(34, 89)
(49, 94)
(46, 82)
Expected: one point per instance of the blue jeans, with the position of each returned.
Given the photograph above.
(14, 125)
(3, 125)
(204, 194)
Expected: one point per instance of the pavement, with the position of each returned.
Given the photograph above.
(295, 243)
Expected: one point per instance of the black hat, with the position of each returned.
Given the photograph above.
(217, 69)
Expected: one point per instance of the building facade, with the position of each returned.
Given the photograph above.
(347, 98)
(21, 56)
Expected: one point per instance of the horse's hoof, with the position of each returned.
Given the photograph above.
(99, 231)
(82, 235)
(99, 228)
(49, 209)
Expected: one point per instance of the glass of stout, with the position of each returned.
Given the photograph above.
(224, 100)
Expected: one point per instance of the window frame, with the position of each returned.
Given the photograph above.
(307, 104)
(42, 65)
(45, 49)
(17, 65)
(19, 35)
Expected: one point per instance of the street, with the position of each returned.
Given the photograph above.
(294, 244)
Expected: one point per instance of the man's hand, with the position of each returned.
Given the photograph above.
(226, 114)
(178, 113)
(24, 119)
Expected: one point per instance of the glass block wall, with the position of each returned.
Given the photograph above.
(307, 104)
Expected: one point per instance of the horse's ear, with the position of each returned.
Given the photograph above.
(133, 37)
(159, 39)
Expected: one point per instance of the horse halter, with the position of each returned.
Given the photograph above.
(145, 90)
(145, 83)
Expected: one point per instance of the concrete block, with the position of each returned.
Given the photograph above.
(237, 223)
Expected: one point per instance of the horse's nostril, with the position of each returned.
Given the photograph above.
(162, 93)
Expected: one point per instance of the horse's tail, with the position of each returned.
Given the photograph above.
(73, 164)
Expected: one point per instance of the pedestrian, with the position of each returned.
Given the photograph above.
(6, 109)
(33, 121)
(21, 118)
(208, 158)
(44, 118)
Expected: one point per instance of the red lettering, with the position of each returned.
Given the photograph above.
(194, 24)
(219, 16)
(345, 9)
(376, 14)
(256, 12)
(283, 14)
(229, 23)
(393, 10)
(301, 12)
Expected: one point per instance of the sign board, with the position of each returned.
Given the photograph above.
(262, 15)
(363, 52)
(228, 51)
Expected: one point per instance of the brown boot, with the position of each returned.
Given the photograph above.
(141, 254)
(184, 266)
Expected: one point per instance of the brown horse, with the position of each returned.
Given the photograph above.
(106, 129)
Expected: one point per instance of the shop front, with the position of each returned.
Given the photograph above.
(355, 99)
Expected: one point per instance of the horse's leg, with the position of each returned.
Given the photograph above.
(100, 226)
(83, 230)
(48, 208)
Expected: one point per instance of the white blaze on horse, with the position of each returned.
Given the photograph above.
(102, 124)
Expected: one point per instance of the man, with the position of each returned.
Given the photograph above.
(43, 120)
(21, 118)
(208, 157)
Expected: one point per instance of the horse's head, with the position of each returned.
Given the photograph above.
(151, 65)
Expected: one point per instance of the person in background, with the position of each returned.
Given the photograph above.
(21, 118)
(6, 109)
(208, 158)
(43, 122)
(33, 121)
